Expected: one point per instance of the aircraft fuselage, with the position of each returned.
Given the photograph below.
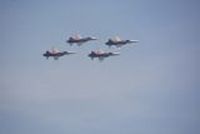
(82, 40)
(101, 56)
(55, 55)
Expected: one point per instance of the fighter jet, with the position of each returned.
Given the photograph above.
(77, 39)
(56, 53)
(101, 54)
(116, 41)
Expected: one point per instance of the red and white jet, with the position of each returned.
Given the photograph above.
(101, 54)
(77, 39)
(118, 42)
(55, 53)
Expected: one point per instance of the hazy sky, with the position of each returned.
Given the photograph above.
(151, 88)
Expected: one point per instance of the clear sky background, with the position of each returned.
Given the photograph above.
(151, 88)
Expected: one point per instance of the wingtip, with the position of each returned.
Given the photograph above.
(71, 52)
(116, 53)
(134, 41)
(94, 38)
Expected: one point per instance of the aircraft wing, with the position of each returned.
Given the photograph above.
(70, 52)
(101, 59)
(79, 43)
(55, 57)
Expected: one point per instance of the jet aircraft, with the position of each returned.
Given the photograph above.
(118, 42)
(56, 53)
(101, 54)
(77, 39)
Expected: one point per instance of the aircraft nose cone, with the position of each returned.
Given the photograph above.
(134, 41)
(93, 38)
(89, 55)
(107, 43)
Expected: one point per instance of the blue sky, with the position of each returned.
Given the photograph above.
(150, 88)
